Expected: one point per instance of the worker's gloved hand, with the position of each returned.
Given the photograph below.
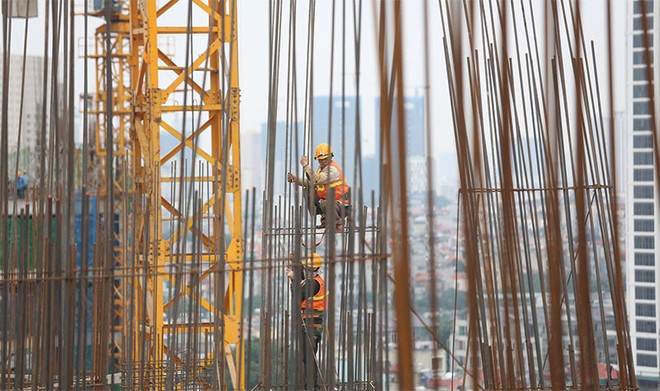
(304, 161)
(291, 178)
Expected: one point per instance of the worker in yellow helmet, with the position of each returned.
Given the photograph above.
(327, 178)
(313, 300)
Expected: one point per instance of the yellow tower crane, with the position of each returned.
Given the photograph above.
(119, 38)
(185, 185)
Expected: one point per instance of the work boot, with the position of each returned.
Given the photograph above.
(339, 227)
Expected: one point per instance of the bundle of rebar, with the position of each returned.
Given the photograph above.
(538, 201)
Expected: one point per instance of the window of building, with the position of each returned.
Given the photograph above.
(644, 225)
(644, 275)
(638, 7)
(639, 57)
(643, 158)
(638, 40)
(437, 364)
(642, 108)
(645, 242)
(640, 91)
(646, 326)
(645, 141)
(644, 293)
(637, 22)
(644, 259)
(648, 344)
(647, 310)
(643, 175)
(643, 209)
(639, 74)
(643, 192)
(641, 124)
(647, 360)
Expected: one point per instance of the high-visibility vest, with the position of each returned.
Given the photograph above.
(340, 186)
(317, 302)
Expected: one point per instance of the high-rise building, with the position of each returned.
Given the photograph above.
(336, 123)
(21, 8)
(285, 154)
(642, 216)
(31, 120)
(415, 122)
(32, 104)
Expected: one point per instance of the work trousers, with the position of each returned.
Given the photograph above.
(311, 337)
(320, 206)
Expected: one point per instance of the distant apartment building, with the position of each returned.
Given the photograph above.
(415, 123)
(32, 101)
(642, 216)
(29, 119)
(20, 8)
(337, 122)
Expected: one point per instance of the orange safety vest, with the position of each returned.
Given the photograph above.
(340, 186)
(317, 302)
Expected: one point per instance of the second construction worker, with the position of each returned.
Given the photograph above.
(326, 179)
(313, 301)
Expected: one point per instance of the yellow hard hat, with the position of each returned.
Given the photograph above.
(314, 261)
(323, 151)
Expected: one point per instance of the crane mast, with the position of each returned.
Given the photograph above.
(118, 97)
(180, 233)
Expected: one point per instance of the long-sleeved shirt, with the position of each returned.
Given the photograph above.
(308, 288)
(319, 177)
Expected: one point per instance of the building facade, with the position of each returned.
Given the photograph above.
(338, 123)
(32, 101)
(642, 216)
(416, 140)
(29, 119)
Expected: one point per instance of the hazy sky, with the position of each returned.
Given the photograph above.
(254, 56)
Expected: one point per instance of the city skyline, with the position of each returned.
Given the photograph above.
(253, 25)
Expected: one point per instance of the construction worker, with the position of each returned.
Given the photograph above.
(328, 176)
(312, 307)
(21, 184)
